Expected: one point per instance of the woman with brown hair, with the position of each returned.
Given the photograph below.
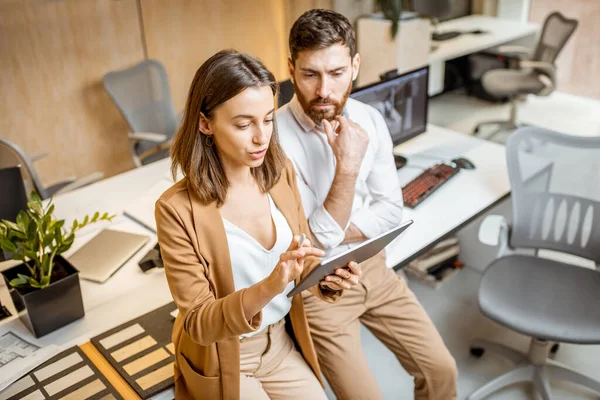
(230, 235)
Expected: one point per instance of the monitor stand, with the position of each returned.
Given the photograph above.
(400, 161)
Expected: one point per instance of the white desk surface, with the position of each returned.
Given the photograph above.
(130, 293)
(499, 30)
(454, 203)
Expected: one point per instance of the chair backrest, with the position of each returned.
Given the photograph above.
(12, 155)
(556, 32)
(142, 95)
(555, 184)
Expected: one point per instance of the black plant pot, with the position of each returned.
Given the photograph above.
(45, 310)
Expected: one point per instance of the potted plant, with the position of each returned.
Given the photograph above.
(391, 10)
(45, 286)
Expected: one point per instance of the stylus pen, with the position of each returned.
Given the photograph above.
(301, 241)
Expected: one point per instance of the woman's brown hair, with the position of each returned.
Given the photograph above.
(221, 77)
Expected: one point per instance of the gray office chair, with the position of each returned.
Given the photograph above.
(535, 75)
(142, 95)
(12, 155)
(556, 206)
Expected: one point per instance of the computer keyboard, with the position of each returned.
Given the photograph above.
(417, 190)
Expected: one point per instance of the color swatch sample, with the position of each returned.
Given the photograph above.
(141, 351)
(68, 375)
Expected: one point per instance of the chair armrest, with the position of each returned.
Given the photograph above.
(543, 66)
(513, 50)
(490, 229)
(38, 156)
(495, 231)
(546, 69)
(147, 136)
(86, 180)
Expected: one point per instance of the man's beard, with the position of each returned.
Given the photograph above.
(318, 115)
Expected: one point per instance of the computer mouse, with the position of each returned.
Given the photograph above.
(463, 163)
(400, 161)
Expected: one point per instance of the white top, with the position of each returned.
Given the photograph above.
(377, 205)
(251, 263)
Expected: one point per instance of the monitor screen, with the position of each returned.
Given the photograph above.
(402, 101)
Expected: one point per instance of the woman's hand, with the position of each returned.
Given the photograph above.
(344, 278)
(291, 264)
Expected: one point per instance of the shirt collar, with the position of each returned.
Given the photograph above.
(304, 120)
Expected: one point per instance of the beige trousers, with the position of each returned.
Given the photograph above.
(389, 309)
(272, 368)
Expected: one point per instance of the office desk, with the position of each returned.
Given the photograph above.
(457, 202)
(500, 31)
(130, 293)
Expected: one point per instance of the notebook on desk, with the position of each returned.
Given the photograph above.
(105, 253)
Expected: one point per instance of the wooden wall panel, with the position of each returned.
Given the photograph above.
(579, 63)
(182, 34)
(295, 8)
(53, 55)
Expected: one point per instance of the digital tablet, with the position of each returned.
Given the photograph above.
(359, 253)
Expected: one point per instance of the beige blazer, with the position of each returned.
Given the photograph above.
(196, 257)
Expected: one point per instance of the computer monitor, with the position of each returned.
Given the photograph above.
(402, 100)
(14, 197)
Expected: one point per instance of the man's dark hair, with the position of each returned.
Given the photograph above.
(318, 29)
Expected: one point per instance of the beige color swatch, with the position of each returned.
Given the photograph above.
(171, 348)
(121, 336)
(58, 366)
(156, 377)
(133, 348)
(146, 361)
(86, 391)
(68, 380)
(37, 395)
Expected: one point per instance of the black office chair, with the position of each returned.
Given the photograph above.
(286, 92)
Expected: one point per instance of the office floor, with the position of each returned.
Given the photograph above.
(559, 111)
(453, 307)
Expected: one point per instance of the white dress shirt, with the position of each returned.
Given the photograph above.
(251, 263)
(377, 203)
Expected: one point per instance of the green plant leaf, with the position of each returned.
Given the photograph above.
(11, 225)
(95, 217)
(22, 221)
(7, 245)
(31, 254)
(45, 281)
(34, 283)
(18, 282)
(35, 197)
(75, 225)
(85, 221)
